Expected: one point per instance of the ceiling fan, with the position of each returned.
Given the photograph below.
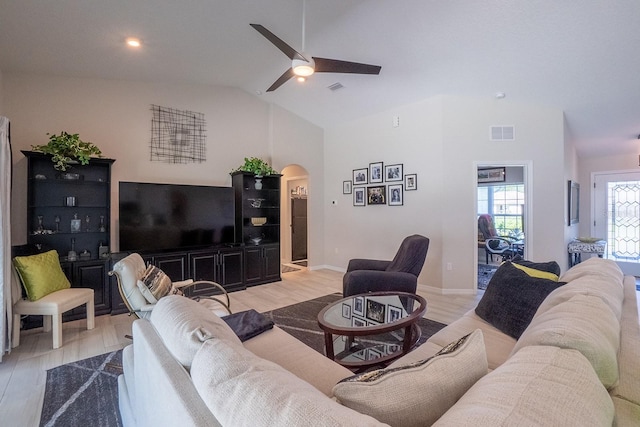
(304, 66)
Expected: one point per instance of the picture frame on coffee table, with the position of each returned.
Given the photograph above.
(346, 311)
(358, 306)
(375, 311)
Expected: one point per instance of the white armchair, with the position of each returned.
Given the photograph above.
(129, 270)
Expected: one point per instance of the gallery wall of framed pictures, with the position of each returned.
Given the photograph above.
(380, 184)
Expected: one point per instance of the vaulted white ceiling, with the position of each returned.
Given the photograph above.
(578, 56)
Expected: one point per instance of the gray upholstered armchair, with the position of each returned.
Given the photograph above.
(400, 274)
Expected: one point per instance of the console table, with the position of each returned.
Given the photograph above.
(577, 247)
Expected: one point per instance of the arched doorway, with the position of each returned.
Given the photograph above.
(294, 237)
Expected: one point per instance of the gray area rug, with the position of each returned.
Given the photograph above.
(485, 273)
(301, 321)
(83, 393)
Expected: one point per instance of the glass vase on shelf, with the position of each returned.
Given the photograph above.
(40, 228)
(72, 255)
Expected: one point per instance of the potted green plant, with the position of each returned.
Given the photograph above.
(68, 148)
(256, 166)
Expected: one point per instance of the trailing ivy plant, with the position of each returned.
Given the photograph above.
(256, 166)
(66, 148)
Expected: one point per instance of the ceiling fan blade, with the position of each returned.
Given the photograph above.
(324, 65)
(277, 42)
(281, 80)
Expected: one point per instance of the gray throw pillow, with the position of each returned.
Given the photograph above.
(512, 298)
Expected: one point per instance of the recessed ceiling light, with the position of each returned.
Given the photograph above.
(133, 42)
(500, 95)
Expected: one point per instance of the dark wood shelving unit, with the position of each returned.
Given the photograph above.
(47, 193)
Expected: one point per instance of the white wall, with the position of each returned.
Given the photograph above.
(441, 139)
(377, 231)
(2, 112)
(116, 116)
(298, 142)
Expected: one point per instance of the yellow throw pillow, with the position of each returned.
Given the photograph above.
(41, 274)
(536, 273)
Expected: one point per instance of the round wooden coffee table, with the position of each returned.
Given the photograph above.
(371, 329)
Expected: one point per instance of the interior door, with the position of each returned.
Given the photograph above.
(616, 203)
(298, 229)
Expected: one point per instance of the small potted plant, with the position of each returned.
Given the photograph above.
(256, 166)
(66, 149)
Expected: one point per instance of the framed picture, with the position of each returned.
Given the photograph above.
(393, 173)
(377, 195)
(491, 174)
(358, 306)
(375, 172)
(395, 195)
(360, 176)
(360, 355)
(346, 187)
(373, 354)
(346, 311)
(357, 322)
(375, 310)
(573, 203)
(394, 314)
(358, 196)
(410, 182)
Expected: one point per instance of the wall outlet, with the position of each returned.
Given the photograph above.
(449, 266)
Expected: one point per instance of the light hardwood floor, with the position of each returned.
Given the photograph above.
(23, 372)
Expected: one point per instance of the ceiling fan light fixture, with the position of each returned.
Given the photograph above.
(303, 68)
(133, 42)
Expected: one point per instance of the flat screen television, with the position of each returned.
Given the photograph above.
(156, 217)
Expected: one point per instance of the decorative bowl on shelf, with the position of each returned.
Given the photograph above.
(589, 239)
(256, 240)
(258, 221)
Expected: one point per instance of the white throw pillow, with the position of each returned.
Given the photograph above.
(538, 386)
(419, 393)
(184, 324)
(242, 389)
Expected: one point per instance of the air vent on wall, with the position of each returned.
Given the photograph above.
(335, 86)
(503, 133)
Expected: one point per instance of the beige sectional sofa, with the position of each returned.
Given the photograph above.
(577, 363)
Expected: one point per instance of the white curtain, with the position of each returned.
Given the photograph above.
(5, 238)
